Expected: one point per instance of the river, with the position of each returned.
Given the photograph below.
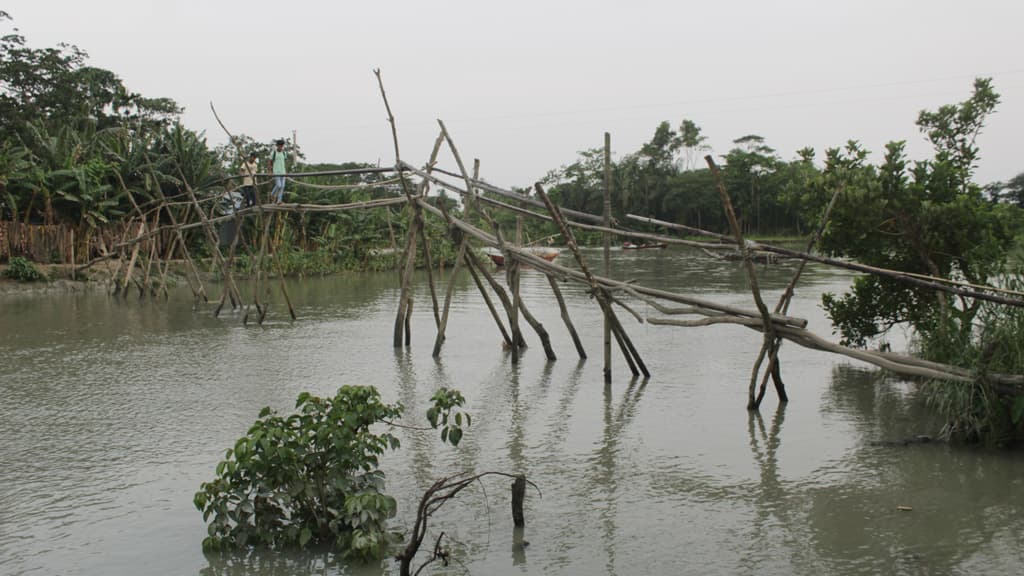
(114, 412)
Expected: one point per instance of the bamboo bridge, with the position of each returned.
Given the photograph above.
(144, 262)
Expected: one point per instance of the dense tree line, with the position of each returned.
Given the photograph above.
(78, 148)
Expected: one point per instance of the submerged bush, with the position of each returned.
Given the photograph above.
(312, 477)
(23, 270)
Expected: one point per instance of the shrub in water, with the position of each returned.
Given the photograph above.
(312, 477)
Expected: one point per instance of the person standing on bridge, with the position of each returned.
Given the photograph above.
(249, 169)
(277, 167)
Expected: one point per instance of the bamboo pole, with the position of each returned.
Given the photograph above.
(405, 293)
(626, 346)
(706, 306)
(506, 302)
(607, 221)
(922, 280)
(568, 320)
(769, 332)
(211, 237)
(443, 323)
(470, 258)
(782, 307)
(487, 300)
(73, 263)
(538, 327)
(131, 263)
(200, 292)
(512, 279)
(429, 266)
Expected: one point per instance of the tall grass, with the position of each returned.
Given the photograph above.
(981, 411)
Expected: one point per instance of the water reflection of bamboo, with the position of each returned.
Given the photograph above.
(601, 477)
(770, 494)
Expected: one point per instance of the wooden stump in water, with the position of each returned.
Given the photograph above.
(518, 495)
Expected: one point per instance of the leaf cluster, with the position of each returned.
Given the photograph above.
(924, 217)
(22, 270)
(311, 477)
(444, 414)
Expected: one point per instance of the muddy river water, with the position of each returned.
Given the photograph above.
(113, 412)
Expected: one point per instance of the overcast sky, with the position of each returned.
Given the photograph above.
(525, 85)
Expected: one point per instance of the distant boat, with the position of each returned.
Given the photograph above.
(546, 253)
(627, 245)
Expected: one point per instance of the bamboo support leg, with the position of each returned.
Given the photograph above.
(566, 318)
(406, 284)
(625, 344)
(443, 323)
(545, 339)
(607, 221)
(512, 277)
(428, 264)
(769, 330)
(517, 336)
(408, 322)
(487, 299)
(631, 350)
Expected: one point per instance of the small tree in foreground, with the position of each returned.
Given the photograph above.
(312, 477)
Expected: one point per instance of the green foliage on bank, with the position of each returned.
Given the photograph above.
(23, 270)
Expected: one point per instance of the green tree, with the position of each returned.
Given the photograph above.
(692, 142)
(580, 185)
(748, 174)
(926, 217)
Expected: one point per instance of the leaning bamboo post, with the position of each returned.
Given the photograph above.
(405, 296)
(198, 292)
(625, 344)
(769, 328)
(517, 336)
(471, 265)
(783, 306)
(274, 249)
(422, 193)
(148, 269)
(566, 318)
(165, 267)
(153, 257)
(408, 322)
(115, 274)
(512, 279)
(607, 251)
(542, 333)
(131, 263)
(443, 323)
(506, 302)
(428, 265)
(201, 292)
(211, 237)
(405, 293)
(73, 263)
(284, 287)
(487, 299)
